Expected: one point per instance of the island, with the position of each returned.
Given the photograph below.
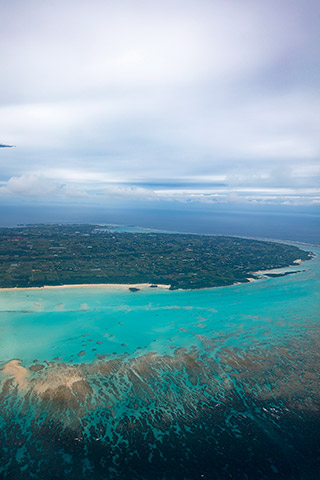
(52, 255)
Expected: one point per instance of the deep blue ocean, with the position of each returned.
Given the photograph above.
(285, 223)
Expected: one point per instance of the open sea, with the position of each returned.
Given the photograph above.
(103, 383)
(286, 223)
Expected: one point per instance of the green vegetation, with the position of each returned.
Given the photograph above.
(40, 255)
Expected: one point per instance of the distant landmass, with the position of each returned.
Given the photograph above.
(38, 255)
(2, 145)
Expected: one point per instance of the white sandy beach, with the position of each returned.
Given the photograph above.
(141, 286)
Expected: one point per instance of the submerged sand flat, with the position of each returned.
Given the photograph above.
(15, 370)
(175, 385)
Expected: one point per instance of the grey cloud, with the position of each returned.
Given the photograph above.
(40, 188)
(103, 94)
(28, 186)
(34, 186)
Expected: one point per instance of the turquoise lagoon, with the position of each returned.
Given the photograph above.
(157, 384)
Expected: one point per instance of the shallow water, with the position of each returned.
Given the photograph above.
(216, 383)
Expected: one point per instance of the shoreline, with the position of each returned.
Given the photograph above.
(143, 286)
(140, 286)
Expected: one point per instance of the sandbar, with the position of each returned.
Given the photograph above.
(89, 285)
(17, 371)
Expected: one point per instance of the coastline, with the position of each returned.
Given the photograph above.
(140, 286)
(143, 286)
(217, 279)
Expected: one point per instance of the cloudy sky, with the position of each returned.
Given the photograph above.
(175, 100)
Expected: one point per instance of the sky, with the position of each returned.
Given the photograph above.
(154, 102)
